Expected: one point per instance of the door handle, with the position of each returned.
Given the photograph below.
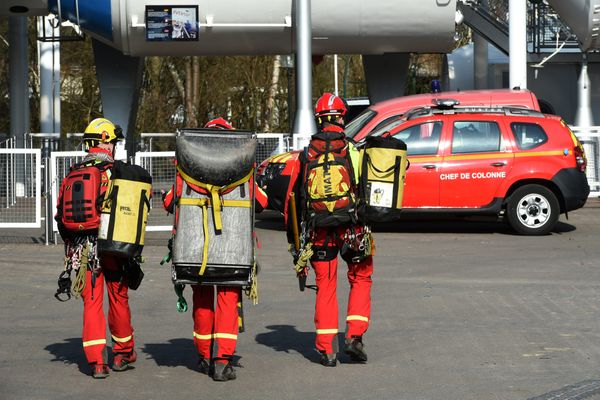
(498, 164)
(430, 166)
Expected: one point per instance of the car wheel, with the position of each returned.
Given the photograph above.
(533, 210)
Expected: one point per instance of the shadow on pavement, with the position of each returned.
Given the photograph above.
(286, 338)
(424, 224)
(174, 353)
(69, 352)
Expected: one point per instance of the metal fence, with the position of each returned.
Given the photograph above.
(24, 186)
(60, 163)
(161, 168)
(54, 142)
(20, 188)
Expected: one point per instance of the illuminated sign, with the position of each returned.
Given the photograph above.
(171, 23)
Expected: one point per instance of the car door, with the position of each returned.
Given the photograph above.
(476, 160)
(422, 140)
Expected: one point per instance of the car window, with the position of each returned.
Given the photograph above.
(475, 137)
(387, 125)
(359, 122)
(421, 139)
(528, 136)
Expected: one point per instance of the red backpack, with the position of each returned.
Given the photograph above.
(81, 196)
(329, 181)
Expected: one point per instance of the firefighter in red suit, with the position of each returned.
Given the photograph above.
(215, 325)
(99, 139)
(326, 242)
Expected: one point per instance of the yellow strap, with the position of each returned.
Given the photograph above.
(207, 186)
(204, 203)
(205, 249)
(194, 202)
(215, 192)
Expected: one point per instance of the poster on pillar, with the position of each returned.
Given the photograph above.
(171, 23)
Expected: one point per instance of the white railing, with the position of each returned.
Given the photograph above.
(162, 169)
(20, 188)
(60, 164)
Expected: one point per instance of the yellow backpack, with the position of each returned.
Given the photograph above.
(383, 170)
(125, 211)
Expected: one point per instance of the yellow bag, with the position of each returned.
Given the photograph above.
(125, 211)
(383, 170)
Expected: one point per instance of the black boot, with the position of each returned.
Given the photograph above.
(204, 366)
(223, 371)
(355, 349)
(329, 360)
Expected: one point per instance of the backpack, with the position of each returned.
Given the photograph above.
(383, 170)
(214, 239)
(330, 184)
(80, 202)
(125, 211)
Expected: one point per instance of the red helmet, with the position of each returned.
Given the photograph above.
(330, 104)
(218, 123)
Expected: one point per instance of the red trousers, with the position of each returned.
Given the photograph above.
(119, 315)
(215, 325)
(326, 308)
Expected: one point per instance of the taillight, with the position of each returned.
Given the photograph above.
(580, 157)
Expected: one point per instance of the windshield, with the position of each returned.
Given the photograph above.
(359, 122)
(387, 125)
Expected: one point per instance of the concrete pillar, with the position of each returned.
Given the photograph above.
(481, 62)
(19, 82)
(119, 78)
(386, 75)
(584, 97)
(49, 72)
(517, 32)
(304, 123)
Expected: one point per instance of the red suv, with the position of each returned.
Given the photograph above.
(512, 162)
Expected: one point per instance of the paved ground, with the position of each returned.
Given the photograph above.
(461, 310)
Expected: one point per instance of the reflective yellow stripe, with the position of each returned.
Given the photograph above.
(215, 336)
(540, 153)
(357, 318)
(417, 159)
(94, 342)
(203, 337)
(327, 331)
(122, 340)
(479, 156)
(225, 336)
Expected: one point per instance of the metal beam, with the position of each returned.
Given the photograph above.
(304, 124)
(19, 74)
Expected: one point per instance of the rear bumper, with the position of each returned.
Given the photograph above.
(574, 187)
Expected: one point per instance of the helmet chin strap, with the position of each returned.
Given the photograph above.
(329, 120)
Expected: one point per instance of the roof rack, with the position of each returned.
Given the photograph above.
(449, 107)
